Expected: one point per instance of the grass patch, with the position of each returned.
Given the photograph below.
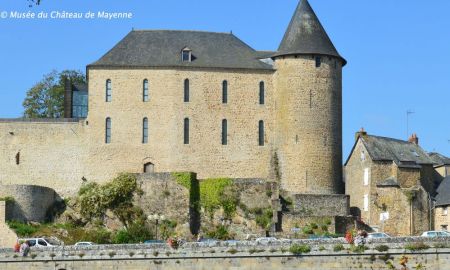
(232, 251)
(358, 249)
(417, 246)
(338, 247)
(299, 249)
(382, 248)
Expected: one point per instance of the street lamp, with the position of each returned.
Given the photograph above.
(156, 218)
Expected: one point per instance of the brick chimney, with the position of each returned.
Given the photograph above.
(414, 139)
(67, 98)
(360, 133)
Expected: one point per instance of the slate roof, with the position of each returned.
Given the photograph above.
(439, 160)
(443, 193)
(306, 35)
(403, 153)
(162, 48)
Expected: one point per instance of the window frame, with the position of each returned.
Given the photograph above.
(188, 53)
(108, 130)
(262, 93)
(225, 92)
(108, 94)
(261, 133)
(186, 91)
(224, 132)
(186, 131)
(145, 91)
(145, 129)
(318, 61)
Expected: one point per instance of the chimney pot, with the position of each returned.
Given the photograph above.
(414, 139)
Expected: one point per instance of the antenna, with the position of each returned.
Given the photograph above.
(408, 113)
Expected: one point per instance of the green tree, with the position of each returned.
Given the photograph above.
(46, 98)
(33, 2)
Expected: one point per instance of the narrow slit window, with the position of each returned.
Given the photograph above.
(108, 91)
(318, 61)
(224, 92)
(186, 90)
(186, 130)
(145, 130)
(108, 130)
(224, 132)
(262, 93)
(145, 94)
(261, 133)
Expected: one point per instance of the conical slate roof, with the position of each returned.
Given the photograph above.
(306, 35)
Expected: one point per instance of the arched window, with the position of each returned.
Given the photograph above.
(224, 132)
(145, 130)
(108, 91)
(224, 92)
(108, 130)
(149, 167)
(261, 93)
(261, 133)
(145, 93)
(186, 130)
(186, 90)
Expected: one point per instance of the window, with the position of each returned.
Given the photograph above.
(318, 61)
(149, 167)
(108, 130)
(224, 92)
(186, 90)
(145, 130)
(261, 93)
(363, 155)
(108, 91)
(186, 55)
(145, 91)
(224, 132)
(444, 211)
(186, 130)
(261, 133)
(366, 202)
(366, 176)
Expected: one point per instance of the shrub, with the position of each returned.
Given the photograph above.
(7, 199)
(220, 233)
(417, 246)
(299, 249)
(338, 247)
(308, 230)
(322, 248)
(314, 226)
(22, 229)
(382, 248)
(111, 254)
(232, 251)
(358, 249)
(136, 233)
(324, 228)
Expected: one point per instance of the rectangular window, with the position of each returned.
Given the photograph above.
(366, 202)
(108, 91)
(318, 61)
(366, 176)
(145, 91)
(261, 133)
(186, 56)
(186, 131)
(224, 132)
(145, 131)
(225, 92)
(262, 93)
(108, 130)
(445, 211)
(186, 90)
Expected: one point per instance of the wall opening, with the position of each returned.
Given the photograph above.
(149, 167)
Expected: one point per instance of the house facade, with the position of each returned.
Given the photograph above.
(391, 183)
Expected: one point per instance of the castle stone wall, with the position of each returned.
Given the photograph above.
(309, 124)
(7, 236)
(320, 205)
(45, 153)
(31, 203)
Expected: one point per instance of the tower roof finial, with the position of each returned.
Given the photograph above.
(306, 35)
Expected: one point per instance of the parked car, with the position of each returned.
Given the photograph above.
(378, 235)
(39, 242)
(435, 234)
(84, 244)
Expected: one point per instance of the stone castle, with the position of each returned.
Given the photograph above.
(202, 102)
(166, 101)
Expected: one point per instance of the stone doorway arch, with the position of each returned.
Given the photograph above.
(149, 167)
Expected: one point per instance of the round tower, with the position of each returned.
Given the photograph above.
(308, 105)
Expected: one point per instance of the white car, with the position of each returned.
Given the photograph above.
(84, 244)
(378, 235)
(436, 234)
(39, 242)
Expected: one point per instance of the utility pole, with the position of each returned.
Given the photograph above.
(408, 113)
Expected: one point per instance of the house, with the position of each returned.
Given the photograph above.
(390, 183)
(441, 217)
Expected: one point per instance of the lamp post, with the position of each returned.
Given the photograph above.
(156, 218)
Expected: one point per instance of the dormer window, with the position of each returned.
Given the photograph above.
(186, 55)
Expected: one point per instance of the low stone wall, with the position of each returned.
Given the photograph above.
(31, 203)
(320, 205)
(235, 255)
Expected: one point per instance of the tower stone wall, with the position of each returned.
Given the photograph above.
(308, 120)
